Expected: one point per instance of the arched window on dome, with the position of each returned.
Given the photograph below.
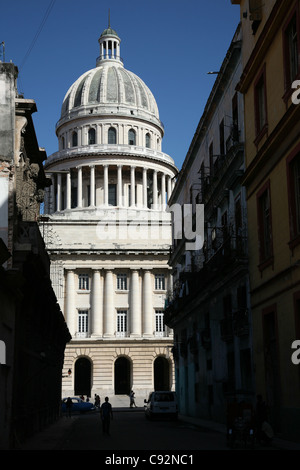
(92, 136)
(62, 142)
(131, 137)
(148, 140)
(74, 139)
(112, 135)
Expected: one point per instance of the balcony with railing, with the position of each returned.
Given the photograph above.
(223, 167)
(221, 257)
(235, 324)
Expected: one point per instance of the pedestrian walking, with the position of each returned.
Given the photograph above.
(132, 399)
(106, 414)
(69, 405)
(97, 401)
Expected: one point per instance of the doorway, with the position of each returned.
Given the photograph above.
(161, 374)
(83, 370)
(122, 376)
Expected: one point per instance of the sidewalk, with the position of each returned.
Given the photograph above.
(277, 443)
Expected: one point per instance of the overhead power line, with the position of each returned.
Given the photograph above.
(50, 6)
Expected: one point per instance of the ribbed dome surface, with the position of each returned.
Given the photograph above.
(111, 85)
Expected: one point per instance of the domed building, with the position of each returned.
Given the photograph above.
(108, 233)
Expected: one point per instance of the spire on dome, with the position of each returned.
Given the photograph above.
(109, 42)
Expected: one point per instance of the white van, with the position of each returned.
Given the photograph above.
(161, 403)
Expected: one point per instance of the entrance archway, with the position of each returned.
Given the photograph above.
(83, 370)
(122, 376)
(161, 374)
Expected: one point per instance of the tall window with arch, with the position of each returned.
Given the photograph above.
(112, 135)
(131, 137)
(74, 139)
(92, 136)
(148, 140)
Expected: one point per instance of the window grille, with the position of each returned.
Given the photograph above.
(159, 282)
(122, 281)
(159, 321)
(83, 323)
(121, 322)
(83, 282)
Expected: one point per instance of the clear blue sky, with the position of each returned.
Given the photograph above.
(169, 44)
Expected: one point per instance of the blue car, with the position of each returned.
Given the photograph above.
(78, 405)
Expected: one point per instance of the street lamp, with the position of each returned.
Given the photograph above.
(69, 373)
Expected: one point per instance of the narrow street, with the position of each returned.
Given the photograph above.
(131, 430)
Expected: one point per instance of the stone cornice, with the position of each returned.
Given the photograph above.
(111, 151)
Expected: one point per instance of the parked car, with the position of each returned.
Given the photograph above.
(161, 403)
(78, 405)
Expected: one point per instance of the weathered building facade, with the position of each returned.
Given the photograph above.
(108, 233)
(209, 308)
(271, 65)
(33, 333)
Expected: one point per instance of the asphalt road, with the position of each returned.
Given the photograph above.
(131, 430)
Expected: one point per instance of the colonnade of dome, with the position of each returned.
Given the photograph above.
(104, 185)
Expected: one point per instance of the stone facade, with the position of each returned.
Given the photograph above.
(108, 232)
(209, 309)
(272, 151)
(33, 332)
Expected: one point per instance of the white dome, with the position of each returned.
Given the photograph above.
(110, 88)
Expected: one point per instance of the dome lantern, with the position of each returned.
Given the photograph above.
(109, 42)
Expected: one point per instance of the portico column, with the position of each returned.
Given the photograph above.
(109, 326)
(119, 185)
(52, 196)
(58, 193)
(79, 137)
(106, 185)
(135, 329)
(96, 305)
(147, 304)
(155, 189)
(79, 190)
(92, 186)
(163, 191)
(145, 187)
(169, 187)
(68, 189)
(132, 186)
(70, 315)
